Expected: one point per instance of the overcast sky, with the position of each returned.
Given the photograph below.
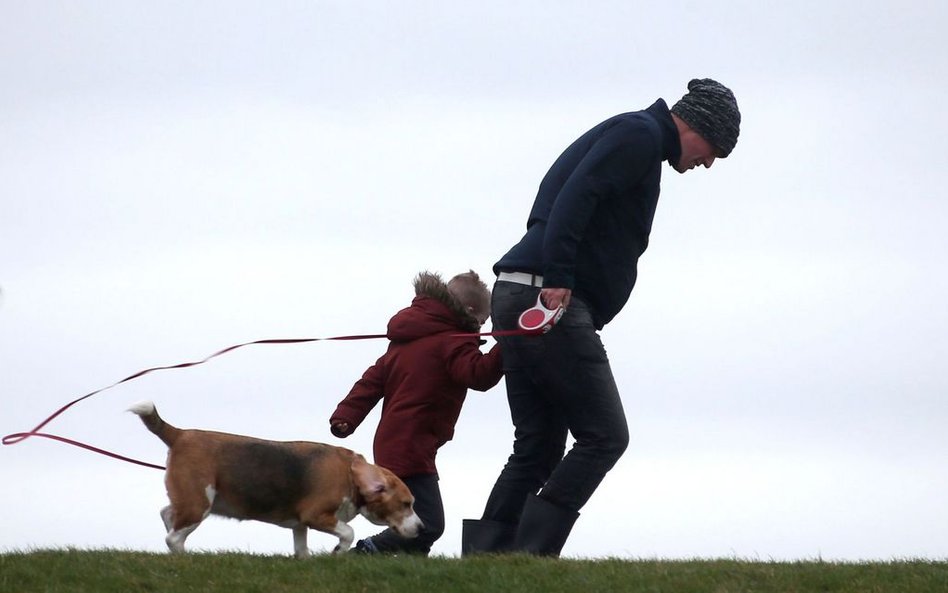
(178, 177)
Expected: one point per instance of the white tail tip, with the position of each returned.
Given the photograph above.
(143, 408)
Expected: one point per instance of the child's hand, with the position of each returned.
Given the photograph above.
(340, 429)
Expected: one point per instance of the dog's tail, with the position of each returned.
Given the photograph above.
(153, 422)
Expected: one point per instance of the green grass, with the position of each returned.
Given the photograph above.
(113, 571)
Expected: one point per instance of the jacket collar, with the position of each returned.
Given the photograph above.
(671, 141)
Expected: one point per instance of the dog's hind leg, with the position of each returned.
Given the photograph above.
(186, 516)
(300, 533)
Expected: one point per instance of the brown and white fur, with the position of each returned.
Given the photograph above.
(295, 484)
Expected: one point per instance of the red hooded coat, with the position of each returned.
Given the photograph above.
(422, 380)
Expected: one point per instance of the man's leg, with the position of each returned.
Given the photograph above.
(574, 374)
(539, 443)
(539, 429)
(582, 384)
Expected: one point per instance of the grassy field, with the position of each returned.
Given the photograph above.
(114, 571)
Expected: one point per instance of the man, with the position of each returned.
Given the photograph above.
(588, 226)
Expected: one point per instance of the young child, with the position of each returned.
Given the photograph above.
(422, 380)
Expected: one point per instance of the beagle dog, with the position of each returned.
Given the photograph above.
(295, 484)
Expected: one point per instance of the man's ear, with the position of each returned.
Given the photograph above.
(368, 479)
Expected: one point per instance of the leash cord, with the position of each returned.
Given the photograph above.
(24, 435)
(19, 437)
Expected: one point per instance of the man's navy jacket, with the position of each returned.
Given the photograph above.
(594, 209)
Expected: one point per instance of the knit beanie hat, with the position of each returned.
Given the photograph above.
(711, 110)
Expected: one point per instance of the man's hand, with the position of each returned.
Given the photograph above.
(555, 297)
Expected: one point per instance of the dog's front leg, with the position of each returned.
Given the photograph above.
(299, 541)
(346, 535)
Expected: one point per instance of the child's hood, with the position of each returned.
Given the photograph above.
(434, 310)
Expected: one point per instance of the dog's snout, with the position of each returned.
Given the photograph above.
(411, 526)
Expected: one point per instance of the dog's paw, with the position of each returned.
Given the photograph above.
(341, 548)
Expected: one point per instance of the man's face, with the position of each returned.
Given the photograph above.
(695, 151)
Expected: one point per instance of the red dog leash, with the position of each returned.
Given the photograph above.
(19, 437)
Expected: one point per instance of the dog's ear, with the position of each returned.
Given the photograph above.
(368, 478)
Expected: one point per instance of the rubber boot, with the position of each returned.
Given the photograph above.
(486, 537)
(544, 527)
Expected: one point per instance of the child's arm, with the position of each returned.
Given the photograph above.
(363, 396)
(469, 366)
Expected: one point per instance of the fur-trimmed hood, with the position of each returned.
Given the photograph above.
(431, 285)
(434, 310)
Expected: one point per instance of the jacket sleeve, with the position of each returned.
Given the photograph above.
(363, 396)
(614, 164)
(470, 367)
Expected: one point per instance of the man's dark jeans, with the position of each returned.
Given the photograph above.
(557, 383)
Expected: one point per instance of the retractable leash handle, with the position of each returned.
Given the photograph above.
(538, 319)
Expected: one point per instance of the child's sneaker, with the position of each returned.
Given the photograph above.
(365, 546)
